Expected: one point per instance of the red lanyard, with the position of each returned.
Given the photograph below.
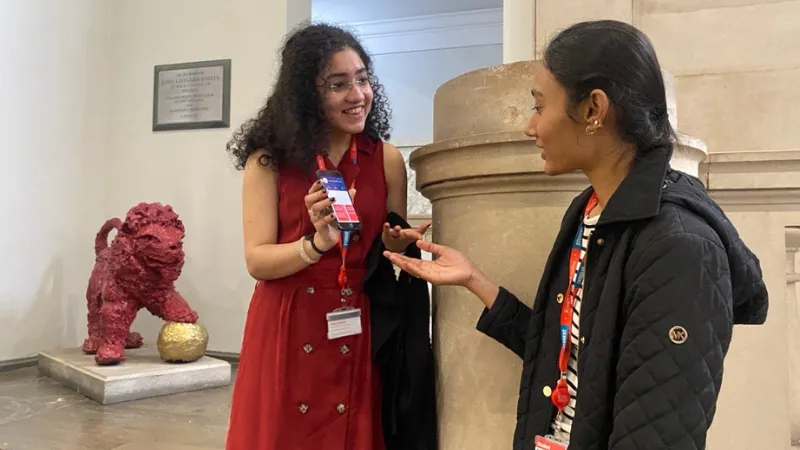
(344, 238)
(577, 269)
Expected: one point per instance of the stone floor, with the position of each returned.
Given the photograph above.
(37, 413)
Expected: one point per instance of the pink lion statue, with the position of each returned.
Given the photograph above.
(137, 270)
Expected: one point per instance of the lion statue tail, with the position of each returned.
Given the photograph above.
(101, 240)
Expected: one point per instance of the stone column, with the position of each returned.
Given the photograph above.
(490, 199)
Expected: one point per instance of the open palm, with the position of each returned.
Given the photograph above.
(449, 267)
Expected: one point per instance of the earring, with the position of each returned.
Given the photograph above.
(592, 128)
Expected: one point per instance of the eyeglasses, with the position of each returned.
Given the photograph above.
(364, 84)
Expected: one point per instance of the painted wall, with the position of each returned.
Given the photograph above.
(190, 169)
(53, 153)
(411, 80)
(77, 148)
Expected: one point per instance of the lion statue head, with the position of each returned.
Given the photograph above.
(150, 243)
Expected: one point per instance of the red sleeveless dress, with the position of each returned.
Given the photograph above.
(295, 389)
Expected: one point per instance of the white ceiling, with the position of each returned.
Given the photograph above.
(348, 11)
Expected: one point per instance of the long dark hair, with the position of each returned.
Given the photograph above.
(291, 125)
(620, 60)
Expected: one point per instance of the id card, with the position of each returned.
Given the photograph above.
(549, 443)
(344, 323)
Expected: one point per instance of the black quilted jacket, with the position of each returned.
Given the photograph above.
(663, 256)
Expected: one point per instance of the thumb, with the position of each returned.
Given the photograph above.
(352, 193)
(424, 227)
(430, 247)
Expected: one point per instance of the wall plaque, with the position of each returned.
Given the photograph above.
(193, 95)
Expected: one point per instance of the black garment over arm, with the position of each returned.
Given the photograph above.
(401, 347)
(507, 321)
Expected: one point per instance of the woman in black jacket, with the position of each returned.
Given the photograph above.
(627, 354)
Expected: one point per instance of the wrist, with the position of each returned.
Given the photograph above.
(320, 243)
(308, 255)
(482, 287)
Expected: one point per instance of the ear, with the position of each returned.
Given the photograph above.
(594, 108)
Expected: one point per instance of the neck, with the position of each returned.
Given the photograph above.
(606, 177)
(338, 144)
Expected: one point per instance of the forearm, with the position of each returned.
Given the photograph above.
(507, 320)
(274, 261)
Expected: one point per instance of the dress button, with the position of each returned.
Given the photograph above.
(310, 290)
(583, 340)
(303, 408)
(547, 391)
(601, 241)
(344, 349)
(308, 348)
(356, 237)
(560, 298)
(341, 408)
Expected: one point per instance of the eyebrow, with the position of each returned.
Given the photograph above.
(343, 74)
(536, 93)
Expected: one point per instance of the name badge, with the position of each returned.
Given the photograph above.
(549, 443)
(344, 323)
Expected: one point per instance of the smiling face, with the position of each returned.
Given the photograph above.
(346, 92)
(564, 143)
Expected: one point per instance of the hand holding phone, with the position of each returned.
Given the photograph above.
(344, 212)
(318, 203)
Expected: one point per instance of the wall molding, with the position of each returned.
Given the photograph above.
(18, 363)
(757, 180)
(432, 32)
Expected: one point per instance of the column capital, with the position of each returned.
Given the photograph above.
(479, 145)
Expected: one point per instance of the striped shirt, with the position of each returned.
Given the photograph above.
(562, 426)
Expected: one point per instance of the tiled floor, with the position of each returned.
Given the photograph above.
(37, 413)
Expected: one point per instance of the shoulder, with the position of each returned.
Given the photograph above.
(677, 222)
(393, 163)
(392, 155)
(260, 167)
(259, 160)
(677, 237)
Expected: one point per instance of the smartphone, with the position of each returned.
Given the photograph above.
(343, 209)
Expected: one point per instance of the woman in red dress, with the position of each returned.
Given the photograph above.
(296, 388)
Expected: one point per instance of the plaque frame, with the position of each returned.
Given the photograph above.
(222, 122)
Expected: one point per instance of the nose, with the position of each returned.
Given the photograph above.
(355, 94)
(530, 130)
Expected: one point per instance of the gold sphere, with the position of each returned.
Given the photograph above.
(182, 342)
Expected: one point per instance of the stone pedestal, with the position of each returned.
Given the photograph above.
(143, 375)
(491, 200)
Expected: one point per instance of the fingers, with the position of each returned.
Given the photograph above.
(394, 233)
(321, 208)
(406, 264)
(412, 235)
(430, 247)
(422, 229)
(322, 220)
(316, 196)
(315, 187)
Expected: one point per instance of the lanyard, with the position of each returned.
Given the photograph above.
(577, 269)
(344, 238)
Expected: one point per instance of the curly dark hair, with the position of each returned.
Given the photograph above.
(291, 125)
